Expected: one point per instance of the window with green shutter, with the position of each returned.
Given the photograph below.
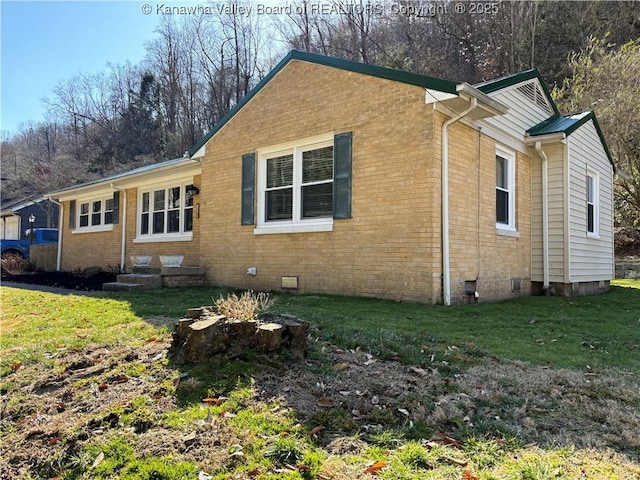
(303, 186)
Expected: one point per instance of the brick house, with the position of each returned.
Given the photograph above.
(337, 177)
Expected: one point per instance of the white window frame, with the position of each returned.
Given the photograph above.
(92, 228)
(508, 229)
(595, 201)
(296, 224)
(150, 237)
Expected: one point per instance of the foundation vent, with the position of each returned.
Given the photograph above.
(515, 285)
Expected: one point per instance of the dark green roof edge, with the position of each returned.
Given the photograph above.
(547, 126)
(503, 82)
(591, 116)
(446, 86)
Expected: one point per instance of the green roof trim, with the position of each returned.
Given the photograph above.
(446, 86)
(509, 80)
(568, 125)
(565, 124)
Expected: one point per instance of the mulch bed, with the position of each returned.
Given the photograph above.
(72, 281)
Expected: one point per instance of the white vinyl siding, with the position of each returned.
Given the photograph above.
(591, 254)
(522, 115)
(555, 179)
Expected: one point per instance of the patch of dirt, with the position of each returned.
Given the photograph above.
(68, 280)
(50, 413)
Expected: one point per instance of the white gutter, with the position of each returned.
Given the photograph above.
(123, 244)
(446, 276)
(60, 219)
(545, 218)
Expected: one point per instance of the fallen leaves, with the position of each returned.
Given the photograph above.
(315, 431)
(326, 402)
(441, 438)
(375, 468)
(467, 475)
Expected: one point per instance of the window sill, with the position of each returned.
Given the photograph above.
(293, 228)
(164, 238)
(595, 236)
(504, 232)
(105, 228)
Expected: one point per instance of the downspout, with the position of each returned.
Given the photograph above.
(545, 218)
(60, 219)
(123, 244)
(446, 277)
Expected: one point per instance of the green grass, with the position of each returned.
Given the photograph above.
(597, 331)
(586, 334)
(601, 331)
(35, 325)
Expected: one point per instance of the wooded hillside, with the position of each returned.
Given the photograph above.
(199, 66)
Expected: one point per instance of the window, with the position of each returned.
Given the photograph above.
(592, 204)
(96, 214)
(505, 190)
(296, 187)
(165, 213)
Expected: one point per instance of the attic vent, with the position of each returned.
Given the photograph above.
(532, 91)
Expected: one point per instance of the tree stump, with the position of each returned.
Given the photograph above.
(181, 331)
(269, 337)
(202, 336)
(205, 338)
(295, 336)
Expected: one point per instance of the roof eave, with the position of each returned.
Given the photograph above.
(546, 138)
(491, 106)
(125, 179)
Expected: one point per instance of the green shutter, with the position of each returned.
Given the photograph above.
(342, 175)
(248, 188)
(72, 214)
(116, 207)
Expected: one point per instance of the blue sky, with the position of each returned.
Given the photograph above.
(43, 42)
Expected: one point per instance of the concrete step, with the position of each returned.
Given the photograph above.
(146, 270)
(147, 280)
(121, 287)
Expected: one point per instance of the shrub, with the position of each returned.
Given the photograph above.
(248, 306)
(14, 264)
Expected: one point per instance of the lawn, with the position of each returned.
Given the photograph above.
(532, 388)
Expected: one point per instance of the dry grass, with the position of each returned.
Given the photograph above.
(14, 264)
(248, 306)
